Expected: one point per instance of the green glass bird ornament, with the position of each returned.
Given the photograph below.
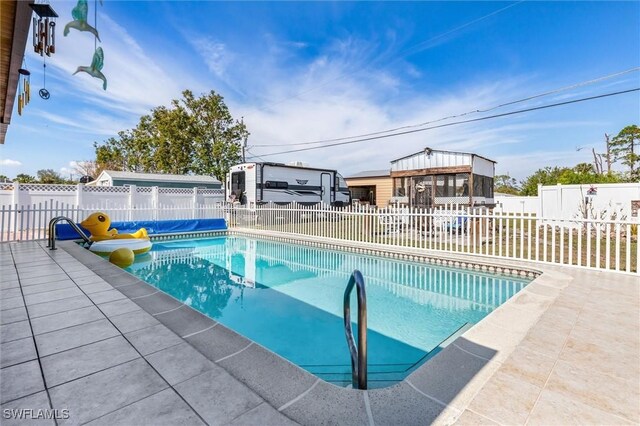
(94, 70)
(79, 14)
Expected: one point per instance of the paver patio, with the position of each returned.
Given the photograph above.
(79, 334)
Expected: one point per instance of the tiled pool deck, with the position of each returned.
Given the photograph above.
(78, 333)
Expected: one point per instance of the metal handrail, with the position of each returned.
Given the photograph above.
(51, 243)
(359, 354)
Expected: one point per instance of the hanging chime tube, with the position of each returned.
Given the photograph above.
(52, 37)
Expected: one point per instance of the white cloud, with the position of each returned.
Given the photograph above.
(7, 162)
(213, 53)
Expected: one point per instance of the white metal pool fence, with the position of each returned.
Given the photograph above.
(589, 243)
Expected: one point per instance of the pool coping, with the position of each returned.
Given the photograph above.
(430, 393)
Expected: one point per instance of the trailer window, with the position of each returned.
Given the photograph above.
(237, 184)
(276, 184)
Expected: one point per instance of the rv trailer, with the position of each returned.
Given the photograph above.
(258, 183)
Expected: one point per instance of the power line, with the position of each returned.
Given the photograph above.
(504, 114)
(475, 111)
(411, 50)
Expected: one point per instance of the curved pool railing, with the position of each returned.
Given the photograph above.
(359, 353)
(52, 231)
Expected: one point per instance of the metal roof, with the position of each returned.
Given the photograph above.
(443, 151)
(159, 177)
(370, 173)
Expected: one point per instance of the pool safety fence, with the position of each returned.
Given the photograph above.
(583, 242)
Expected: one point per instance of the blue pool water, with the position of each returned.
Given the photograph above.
(288, 298)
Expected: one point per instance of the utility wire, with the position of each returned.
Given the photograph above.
(457, 122)
(475, 111)
(411, 50)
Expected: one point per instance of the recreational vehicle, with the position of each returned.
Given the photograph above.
(257, 183)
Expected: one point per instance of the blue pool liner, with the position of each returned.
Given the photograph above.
(153, 227)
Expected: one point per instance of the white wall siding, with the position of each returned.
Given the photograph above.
(483, 167)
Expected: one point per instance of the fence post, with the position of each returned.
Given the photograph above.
(79, 195)
(132, 201)
(155, 197)
(194, 202)
(15, 195)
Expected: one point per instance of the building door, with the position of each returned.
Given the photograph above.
(421, 192)
(325, 187)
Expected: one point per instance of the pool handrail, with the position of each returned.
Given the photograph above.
(359, 354)
(51, 243)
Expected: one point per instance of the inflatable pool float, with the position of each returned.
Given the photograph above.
(98, 226)
(106, 241)
(137, 245)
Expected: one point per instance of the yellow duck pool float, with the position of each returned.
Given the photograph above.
(108, 240)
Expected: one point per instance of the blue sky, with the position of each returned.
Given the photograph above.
(301, 72)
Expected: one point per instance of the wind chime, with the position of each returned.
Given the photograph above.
(79, 14)
(25, 87)
(44, 38)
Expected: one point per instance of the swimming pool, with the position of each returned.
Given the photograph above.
(288, 298)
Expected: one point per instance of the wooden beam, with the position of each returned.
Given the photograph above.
(17, 40)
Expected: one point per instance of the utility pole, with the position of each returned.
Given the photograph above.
(608, 142)
(244, 143)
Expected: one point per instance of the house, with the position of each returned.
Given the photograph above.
(432, 178)
(117, 178)
(372, 186)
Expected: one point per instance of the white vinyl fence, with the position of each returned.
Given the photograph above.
(106, 197)
(590, 243)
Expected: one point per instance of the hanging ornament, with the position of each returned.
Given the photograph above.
(24, 96)
(79, 14)
(44, 26)
(94, 70)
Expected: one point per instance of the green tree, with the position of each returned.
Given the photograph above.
(505, 184)
(624, 147)
(545, 176)
(49, 176)
(192, 135)
(25, 178)
(5, 179)
(583, 173)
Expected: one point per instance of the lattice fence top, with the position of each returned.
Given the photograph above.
(211, 191)
(144, 189)
(175, 190)
(106, 189)
(6, 187)
(45, 187)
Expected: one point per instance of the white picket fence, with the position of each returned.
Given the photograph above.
(589, 243)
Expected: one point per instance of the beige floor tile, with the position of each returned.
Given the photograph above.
(556, 409)
(612, 360)
(610, 394)
(469, 418)
(506, 398)
(529, 366)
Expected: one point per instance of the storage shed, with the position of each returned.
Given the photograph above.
(118, 178)
(374, 187)
(432, 178)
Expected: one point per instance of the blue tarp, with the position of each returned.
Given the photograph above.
(65, 232)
